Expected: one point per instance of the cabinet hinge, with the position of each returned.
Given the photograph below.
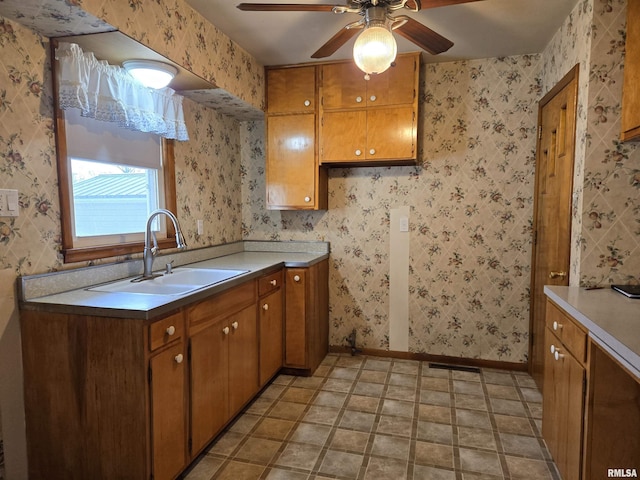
(539, 132)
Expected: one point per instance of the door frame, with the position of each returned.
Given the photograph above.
(571, 75)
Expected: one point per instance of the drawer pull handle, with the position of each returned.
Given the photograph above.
(557, 274)
(265, 307)
(225, 330)
(358, 99)
(358, 152)
(274, 282)
(558, 355)
(307, 103)
(372, 98)
(553, 349)
(372, 151)
(307, 199)
(171, 330)
(178, 358)
(235, 325)
(296, 278)
(557, 326)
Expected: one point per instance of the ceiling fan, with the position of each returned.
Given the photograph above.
(376, 15)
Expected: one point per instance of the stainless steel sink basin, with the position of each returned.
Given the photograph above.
(179, 282)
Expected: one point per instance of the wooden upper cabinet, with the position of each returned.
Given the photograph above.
(291, 90)
(369, 122)
(631, 92)
(294, 179)
(344, 85)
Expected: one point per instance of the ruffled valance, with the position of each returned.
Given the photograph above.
(108, 93)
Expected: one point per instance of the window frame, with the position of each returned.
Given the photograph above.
(71, 253)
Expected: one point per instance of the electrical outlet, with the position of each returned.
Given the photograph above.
(200, 224)
(404, 224)
(9, 203)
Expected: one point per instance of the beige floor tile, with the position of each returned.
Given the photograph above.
(508, 407)
(343, 464)
(330, 399)
(521, 445)
(435, 432)
(466, 376)
(287, 410)
(398, 426)
(503, 391)
(369, 389)
(363, 404)
(435, 383)
(320, 414)
(273, 428)
(350, 440)
(435, 413)
(434, 454)
(360, 421)
(469, 388)
(497, 378)
(511, 424)
(204, 469)
(472, 418)
(392, 447)
(423, 472)
(435, 398)
(383, 365)
(236, 470)
(280, 474)
(344, 373)
(373, 376)
(310, 434)
(387, 468)
(226, 444)
(337, 385)
(470, 402)
(478, 461)
(299, 456)
(477, 438)
(298, 395)
(258, 450)
(527, 469)
(435, 372)
(398, 408)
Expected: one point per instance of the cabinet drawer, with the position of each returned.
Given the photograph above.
(269, 283)
(222, 305)
(570, 334)
(166, 331)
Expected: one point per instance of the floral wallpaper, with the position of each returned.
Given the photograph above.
(207, 166)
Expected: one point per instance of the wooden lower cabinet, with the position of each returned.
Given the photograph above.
(306, 317)
(105, 397)
(109, 398)
(223, 360)
(271, 334)
(168, 429)
(563, 407)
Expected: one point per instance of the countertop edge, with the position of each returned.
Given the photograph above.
(620, 352)
(52, 303)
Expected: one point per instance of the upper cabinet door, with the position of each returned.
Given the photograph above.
(631, 92)
(344, 86)
(291, 90)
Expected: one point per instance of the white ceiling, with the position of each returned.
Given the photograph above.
(482, 29)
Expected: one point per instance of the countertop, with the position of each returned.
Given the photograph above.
(613, 320)
(144, 306)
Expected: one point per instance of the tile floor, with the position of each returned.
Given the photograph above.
(372, 418)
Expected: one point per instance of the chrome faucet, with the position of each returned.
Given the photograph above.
(149, 251)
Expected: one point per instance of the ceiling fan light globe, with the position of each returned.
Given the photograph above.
(375, 49)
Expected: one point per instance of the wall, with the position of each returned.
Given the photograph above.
(470, 203)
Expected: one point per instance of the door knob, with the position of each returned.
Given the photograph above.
(557, 274)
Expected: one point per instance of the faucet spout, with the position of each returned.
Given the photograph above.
(149, 251)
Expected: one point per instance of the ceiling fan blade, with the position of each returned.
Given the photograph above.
(438, 3)
(424, 37)
(284, 7)
(335, 42)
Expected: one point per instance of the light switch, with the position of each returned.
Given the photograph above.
(9, 203)
(404, 224)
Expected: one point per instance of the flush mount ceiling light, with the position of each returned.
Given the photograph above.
(150, 73)
(375, 48)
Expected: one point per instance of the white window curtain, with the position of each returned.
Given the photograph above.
(108, 93)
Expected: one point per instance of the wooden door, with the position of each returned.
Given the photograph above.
(395, 86)
(343, 86)
(271, 336)
(383, 142)
(343, 136)
(209, 383)
(552, 209)
(295, 352)
(291, 90)
(291, 161)
(243, 358)
(168, 413)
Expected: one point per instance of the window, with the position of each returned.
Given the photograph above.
(111, 179)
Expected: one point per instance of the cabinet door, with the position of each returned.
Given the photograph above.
(391, 134)
(343, 86)
(343, 136)
(396, 86)
(551, 417)
(243, 358)
(292, 169)
(572, 408)
(295, 352)
(168, 413)
(209, 383)
(271, 335)
(291, 90)
(631, 94)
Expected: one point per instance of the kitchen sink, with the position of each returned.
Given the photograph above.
(178, 282)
